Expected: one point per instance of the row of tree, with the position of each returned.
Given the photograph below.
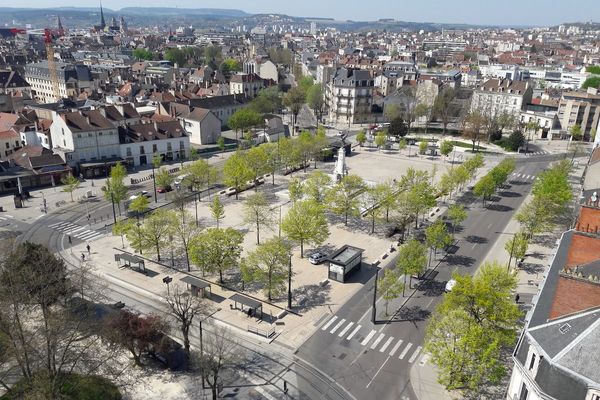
(496, 178)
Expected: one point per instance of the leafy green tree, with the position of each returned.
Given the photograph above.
(306, 222)
(437, 237)
(200, 175)
(446, 148)
(402, 144)
(390, 286)
(305, 83)
(295, 190)
(515, 140)
(342, 198)
(257, 159)
(391, 112)
(294, 99)
(517, 247)
(553, 185)
(176, 56)
(469, 329)
(115, 189)
(361, 137)
(576, 132)
(397, 127)
(421, 197)
(473, 164)
(164, 179)
(184, 228)
(380, 140)
(156, 160)
(412, 259)
(70, 184)
(244, 119)
(273, 159)
(139, 205)
(216, 250)
(423, 144)
(320, 147)
(143, 54)
(221, 144)
(217, 210)
(258, 213)
(456, 214)
(535, 217)
(156, 229)
(316, 185)
(268, 265)
(305, 146)
(474, 127)
(442, 107)
(591, 82)
(289, 153)
(316, 100)
(377, 200)
(230, 65)
(237, 172)
(485, 188)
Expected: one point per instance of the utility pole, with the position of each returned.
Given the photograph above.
(374, 307)
(154, 182)
(112, 200)
(290, 283)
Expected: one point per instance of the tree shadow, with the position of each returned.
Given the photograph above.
(412, 314)
(476, 239)
(531, 268)
(510, 194)
(431, 288)
(310, 296)
(499, 207)
(456, 259)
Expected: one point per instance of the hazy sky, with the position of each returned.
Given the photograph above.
(504, 12)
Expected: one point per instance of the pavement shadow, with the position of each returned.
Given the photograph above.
(459, 260)
(431, 288)
(310, 296)
(412, 314)
(363, 275)
(510, 194)
(476, 239)
(531, 268)
(499, 207)
(519, 183)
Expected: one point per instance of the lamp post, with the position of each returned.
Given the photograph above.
(290, 283)
(154, 182)
(196, 205)
(166, 280)
(202, 342)
(112, 200)
(374, 306)
(171, 241)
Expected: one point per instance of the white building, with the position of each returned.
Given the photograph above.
(501, 96)
(72, 79)
(350, 96)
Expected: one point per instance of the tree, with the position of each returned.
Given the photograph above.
(412, 259)
(515, 140)
(71, 184)
(456, 214)
(135, 332)
(244, 119)
(517, 246)
(437, 237)
(216, 250)
(143, 54)
(164, 179)
(306, 222)
(156, 230)
(268, 101)
(576, 133)
(185, 308)
(295, 190)
(268, 265)
(305, 83)
(184, 230)
(256, 159)
(380, 140)
(316, 100)
(423, 144)
(535, 217)
(294, 99)
(421, 197)
(217, 210)
(230, 65)
(139, 205)
(591, 82)
(409, 105)
(392, 112)
(375, 201)
(423, 110)
(258, 212)
(221, 144)
(485, 187)
(361, 137)
(342, 198)
(446, 148)
(316, 185)
(390, 286)
(402, 144)
(200, 175)
(289, 153)
(115, 189)
(237, 172)
(176, 56)
(473, 127)
(442, 106)
(272, 162)
(397, 127)
(468, 330)
(220, 352)
(305, 146)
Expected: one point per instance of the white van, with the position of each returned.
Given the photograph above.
(177, 182)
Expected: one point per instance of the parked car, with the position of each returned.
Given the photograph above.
(317, 258)
(164, 189)
(450, 285)
(179, 180)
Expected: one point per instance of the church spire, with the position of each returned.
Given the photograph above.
(102, 21)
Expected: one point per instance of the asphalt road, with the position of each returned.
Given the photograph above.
(373, 361)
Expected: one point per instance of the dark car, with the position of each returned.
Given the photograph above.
(164, 189)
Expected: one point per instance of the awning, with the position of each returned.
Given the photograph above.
(128, 258)
(190, 280)
(101, 163)
(238, 298)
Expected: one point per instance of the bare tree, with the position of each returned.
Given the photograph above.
(185, 307)
(220, 352)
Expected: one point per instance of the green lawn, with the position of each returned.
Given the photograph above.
(74, 387)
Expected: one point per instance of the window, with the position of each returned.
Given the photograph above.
(128, 151)
(154, 148)
(524, 393)
(142, 150)
(532, 361)
(7, 145)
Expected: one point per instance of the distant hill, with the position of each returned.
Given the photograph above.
(216, 12)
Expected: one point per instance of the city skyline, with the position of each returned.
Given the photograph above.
(505, 13)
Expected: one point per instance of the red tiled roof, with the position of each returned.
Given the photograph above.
(9, 135)
(589, 220)
(573, 295)
(583, 250)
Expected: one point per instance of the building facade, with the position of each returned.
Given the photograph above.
(501, 96)
(350, 96)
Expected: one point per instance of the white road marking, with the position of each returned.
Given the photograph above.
(353, 332)
(415, 354)
(96, 236)
(396, 347)
(378, 371)
(331, 321)
(424, 359)
(376, 342)
(346, 329)
(386, 344)
(369, 336)
(408, 346)
(337, 326)
(74, 230)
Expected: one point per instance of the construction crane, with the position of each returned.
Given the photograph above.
(52, 64)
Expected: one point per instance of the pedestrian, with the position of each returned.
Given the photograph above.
(70, 241)
(88, 248)
(82, 257)
(517, 297)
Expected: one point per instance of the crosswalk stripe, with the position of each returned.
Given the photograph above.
(346, 329)
(337, 326)
(415, 354)
(396, 347)
(406, 349)
(74, 230)
(369, 336)
(86, 233)
(59, 224)
(96, 236)
(350, 336)
(386, 344)
(376, 342)
(331, 321)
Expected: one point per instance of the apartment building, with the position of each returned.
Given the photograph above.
(350, 96)
(72, 80)
(246, 84)
(580, 108)
(501, 96)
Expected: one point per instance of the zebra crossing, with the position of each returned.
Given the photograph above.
(76, 231)
(537, 153)
(525, 177)
(383, 343)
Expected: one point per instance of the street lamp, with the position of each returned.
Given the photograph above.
(202, 343)
(154, 182)
(374, 307)
(290, 282)
(171, 241)
(166, 280)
